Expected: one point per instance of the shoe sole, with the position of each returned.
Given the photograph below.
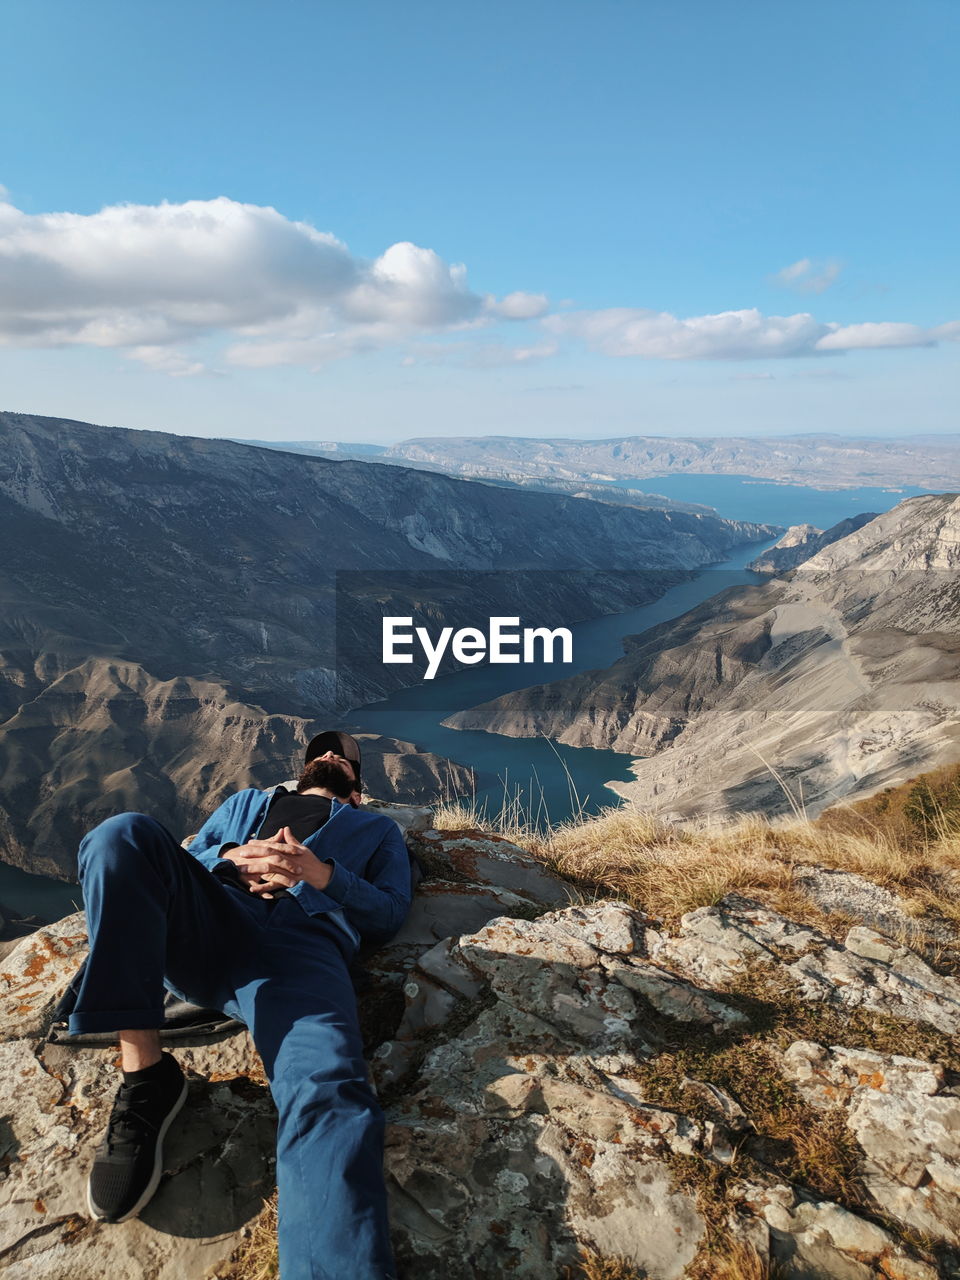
(155, 1177)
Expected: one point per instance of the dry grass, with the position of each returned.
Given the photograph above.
(665, 869)
(804, 1146)
(738, 1260)
(723, 1253)
(594, 1266)
(906, 839)
(668, 869)
(924, 808)
(256, 1259)
(511, 820)
(733, 1259)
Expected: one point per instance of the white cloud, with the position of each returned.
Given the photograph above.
(170, 268)
(518, 306)
(864, 336)
(949, 332)
(147, 277)
(731, 335)
(807, 276)
(408, 285)
(151, 280)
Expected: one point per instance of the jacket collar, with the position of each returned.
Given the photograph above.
(281, 790)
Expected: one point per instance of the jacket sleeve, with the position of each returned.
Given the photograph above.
(208, 845)
(377, 902)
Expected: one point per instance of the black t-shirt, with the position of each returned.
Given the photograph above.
(302, 814)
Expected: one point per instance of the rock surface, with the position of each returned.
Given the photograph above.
(906, 1122)
(875, 905)
(524, 1044)
(817, 1240)
(716, 945)
(511, 1052)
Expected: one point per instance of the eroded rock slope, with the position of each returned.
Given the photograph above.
(840, 679)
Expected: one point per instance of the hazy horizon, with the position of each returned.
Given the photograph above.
(316, 437)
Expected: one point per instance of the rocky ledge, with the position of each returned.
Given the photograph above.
(550, 1071)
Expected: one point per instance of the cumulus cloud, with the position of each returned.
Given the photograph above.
(160, 270)
(151, 280)
(808, 276)
(408, 285)
(148, 277)
(731, 335)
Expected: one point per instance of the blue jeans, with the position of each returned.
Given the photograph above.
(157, 917)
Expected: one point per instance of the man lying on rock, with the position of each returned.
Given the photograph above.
(259, 919)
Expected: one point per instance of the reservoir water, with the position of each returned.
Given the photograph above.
(22, 894)
(545, 781)
(762, 501)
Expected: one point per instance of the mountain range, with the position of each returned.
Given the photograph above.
(832, 681)
(822, 461)
(169, 628)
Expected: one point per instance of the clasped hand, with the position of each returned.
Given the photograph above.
(279, 861)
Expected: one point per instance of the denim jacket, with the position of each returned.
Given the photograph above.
(370, 889)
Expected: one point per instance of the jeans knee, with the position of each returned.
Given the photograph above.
(117, 837)
(327, 1097)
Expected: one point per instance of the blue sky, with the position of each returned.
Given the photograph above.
(372, 221)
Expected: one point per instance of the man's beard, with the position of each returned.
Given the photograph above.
(327, 774)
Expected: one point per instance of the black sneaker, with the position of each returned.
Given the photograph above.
(128, 1164)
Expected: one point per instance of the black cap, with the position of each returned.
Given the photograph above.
(340, 743)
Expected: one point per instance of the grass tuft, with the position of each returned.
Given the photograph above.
(256, 1258)
(595, 1266)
